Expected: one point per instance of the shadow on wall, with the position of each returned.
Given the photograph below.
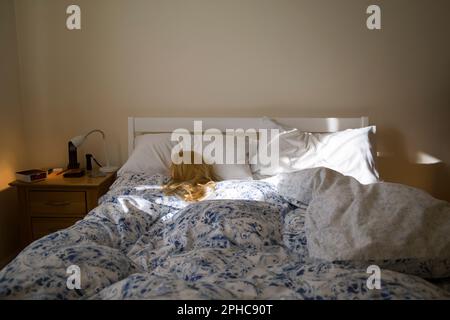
(423, 172)
(9, 225)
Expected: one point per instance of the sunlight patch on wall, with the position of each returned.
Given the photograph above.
(425, 158)
(332, 124)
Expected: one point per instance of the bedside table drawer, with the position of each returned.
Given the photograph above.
(57, 203)
(44, 226)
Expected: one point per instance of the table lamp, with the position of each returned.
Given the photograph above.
(77, 141)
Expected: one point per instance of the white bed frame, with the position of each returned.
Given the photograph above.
(138, 126)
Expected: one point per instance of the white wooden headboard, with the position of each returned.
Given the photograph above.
(138, 126)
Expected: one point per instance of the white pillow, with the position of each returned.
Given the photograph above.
(349, 152)
(152, 155)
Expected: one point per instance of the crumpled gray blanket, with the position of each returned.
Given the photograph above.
(390, 224)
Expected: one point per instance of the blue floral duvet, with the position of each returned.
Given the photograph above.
(245, 241)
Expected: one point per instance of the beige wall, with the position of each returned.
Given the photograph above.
(239, 58)
(11, 137)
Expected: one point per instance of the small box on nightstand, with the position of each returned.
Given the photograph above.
(31, 175)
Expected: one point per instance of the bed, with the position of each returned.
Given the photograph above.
(288, 235)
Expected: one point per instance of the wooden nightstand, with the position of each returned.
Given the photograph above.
(57, 203)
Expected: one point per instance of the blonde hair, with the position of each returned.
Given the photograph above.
(190, 182)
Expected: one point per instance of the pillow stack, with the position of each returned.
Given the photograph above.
(349, 152)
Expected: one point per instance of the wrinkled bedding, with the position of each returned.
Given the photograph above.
(245, 241)
(391, 225)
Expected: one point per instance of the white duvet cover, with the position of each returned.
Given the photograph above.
(246, 241)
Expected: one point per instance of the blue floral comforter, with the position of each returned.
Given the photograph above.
(244, 242)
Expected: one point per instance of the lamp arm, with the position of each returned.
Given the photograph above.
(104, 143)
(94, 131)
